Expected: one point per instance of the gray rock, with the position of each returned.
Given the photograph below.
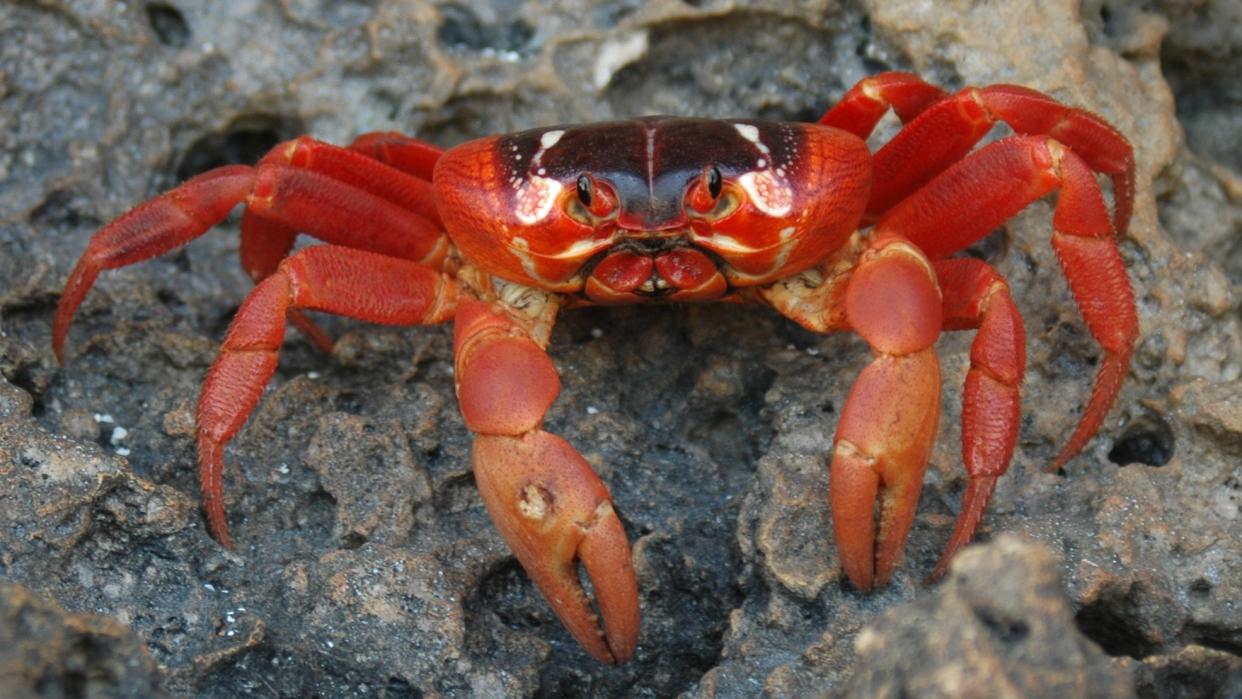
(46, 652)
(1000, 626)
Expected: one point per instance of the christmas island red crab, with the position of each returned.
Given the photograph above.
(502, 233)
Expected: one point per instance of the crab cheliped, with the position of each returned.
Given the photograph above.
(502, 233)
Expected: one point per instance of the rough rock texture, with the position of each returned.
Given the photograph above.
(365, 564)
(999, 627)
(45, 652)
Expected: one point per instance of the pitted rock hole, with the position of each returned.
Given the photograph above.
(463, 29)
(169, 25)
(1148, 440)
(246, 139)
(1114, 621)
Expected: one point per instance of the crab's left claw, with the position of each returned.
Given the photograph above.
(885, 434)
(550, 507)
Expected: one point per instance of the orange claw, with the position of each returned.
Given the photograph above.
(889, 422)
(553, 511)
(547, 503)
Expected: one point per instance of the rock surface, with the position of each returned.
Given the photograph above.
(46, 652)
(365, 564)
(999, 627)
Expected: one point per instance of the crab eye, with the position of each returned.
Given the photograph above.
(584, 190)
(705, 192)
(595, 201)
(713, 182)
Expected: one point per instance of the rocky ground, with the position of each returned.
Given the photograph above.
(365, 564)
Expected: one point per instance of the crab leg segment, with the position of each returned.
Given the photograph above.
(329, 193)
(549, 506)
(942, 129)
(886, 431)
(409, 155)
(266, 240)
(328, 278)
(867, 102)
(149, 229)
(976, 297)
(975, 196)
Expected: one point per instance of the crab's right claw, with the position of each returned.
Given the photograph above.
(547, 503)
(553, 511)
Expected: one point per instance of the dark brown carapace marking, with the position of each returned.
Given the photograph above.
(657, 208)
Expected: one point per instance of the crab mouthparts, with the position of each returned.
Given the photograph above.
(654, 266)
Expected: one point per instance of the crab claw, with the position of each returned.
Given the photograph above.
(878, 461)
(888, 425)
(554, 512)
(548, 504)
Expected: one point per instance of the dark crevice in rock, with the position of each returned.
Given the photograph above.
(246, 139)
(461, 28)
(169, 25)
(1147, 440)
(1113, 621)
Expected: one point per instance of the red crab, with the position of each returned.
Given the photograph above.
(502, 233)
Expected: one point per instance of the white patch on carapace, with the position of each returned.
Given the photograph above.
(751, 133)
(549, 139)
(770, 194)
(583, 248)
(726, 244)
(519, 242)
(786, 232)
(535, 198)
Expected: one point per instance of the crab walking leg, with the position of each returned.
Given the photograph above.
(266, 241)
(296, 198)
(549, 506)
(942, 129)
(409, 155)
(150, 229)
(976, 297)
(888, 425)
(867, 102)
(975, 196)
(329, 278)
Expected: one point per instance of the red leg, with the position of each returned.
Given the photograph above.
(265, 241)
(149, 229)
(973, 197)
(297, 198)
(867, 102)
(976, 297)
(407, 154)
(942, 130)
(328, 278)
(888, 425)
(547, 503)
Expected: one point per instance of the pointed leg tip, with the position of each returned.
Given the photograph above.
(861, 577)
(216, 525)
